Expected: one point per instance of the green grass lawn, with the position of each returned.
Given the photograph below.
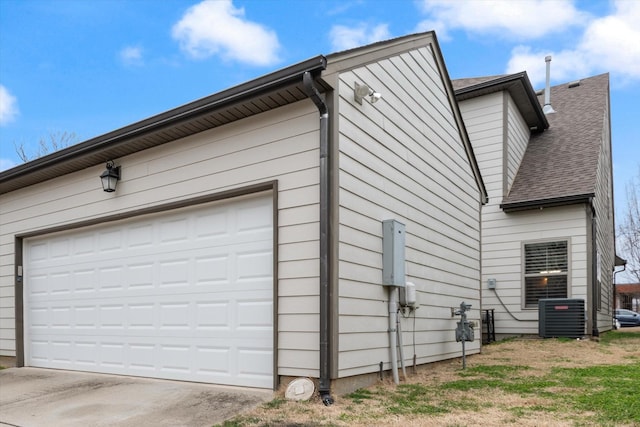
(599, 394)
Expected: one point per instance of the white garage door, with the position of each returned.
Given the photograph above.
(184, 295)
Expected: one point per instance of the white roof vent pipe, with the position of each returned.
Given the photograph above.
(548, 109)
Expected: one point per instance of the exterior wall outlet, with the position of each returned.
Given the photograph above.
(491, 283)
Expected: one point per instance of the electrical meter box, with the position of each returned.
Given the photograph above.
(393, 240)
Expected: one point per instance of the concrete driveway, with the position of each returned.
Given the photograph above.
(47, 397)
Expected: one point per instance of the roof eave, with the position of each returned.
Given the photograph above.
(513, 83)
(63, 160)
(547, 203)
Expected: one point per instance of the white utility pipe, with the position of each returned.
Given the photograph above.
(393, 332)
(404, 371)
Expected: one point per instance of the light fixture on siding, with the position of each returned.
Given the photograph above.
(110, 177)
(362, 91)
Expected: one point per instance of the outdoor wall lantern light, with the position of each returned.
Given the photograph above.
(362, 91)
(110, 177)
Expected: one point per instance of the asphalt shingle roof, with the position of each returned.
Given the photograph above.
(472, 81)
(562, 161)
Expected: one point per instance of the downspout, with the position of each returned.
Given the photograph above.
(624, 267)
(594, 274)
(324, 386)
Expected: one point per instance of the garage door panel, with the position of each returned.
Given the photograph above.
(249, 284)
(251, 262)
(185, 295)
(199, 312)
(230, 359)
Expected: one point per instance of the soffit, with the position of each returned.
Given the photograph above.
(257, 96)
(519, 89)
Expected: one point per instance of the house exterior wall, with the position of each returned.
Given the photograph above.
(605, 238)
(503, 260)
(516, 143)
(278, 145)
(499, 136)
(402, 158)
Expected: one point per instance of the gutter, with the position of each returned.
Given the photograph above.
(508, 83)
(62, 160)
(547, 203)
(324, 386)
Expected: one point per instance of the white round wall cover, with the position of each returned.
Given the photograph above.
(300, 389)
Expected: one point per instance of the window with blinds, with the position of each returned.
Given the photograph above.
(546, 271)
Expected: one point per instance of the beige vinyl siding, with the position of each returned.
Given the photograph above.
(517, 139)
(603, 203)
(483, 118)
(504, 234)
(278, 145)
(503, 260)
(402, 158)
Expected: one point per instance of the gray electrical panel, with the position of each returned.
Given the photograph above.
(393, 235)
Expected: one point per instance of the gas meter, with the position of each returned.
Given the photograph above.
(464, 330)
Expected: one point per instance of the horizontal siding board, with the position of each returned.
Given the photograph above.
(298, 233)
(502, 260)
(298, 286)
(58, 211)
(352, 323)
(402, 159)
(297, 304)
(298, 268)
(518, 139)
(299, 250)
(278, 145)
(298, 341)
(295, 360)
(455, 241)
(307, 322)
(291, 215)
(397, 150)
(423, 189)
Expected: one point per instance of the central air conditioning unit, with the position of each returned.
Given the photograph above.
(561, 317)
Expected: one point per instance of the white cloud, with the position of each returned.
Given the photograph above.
(343, 37)
(217, 27)
(131, 55)
(565, 65)
(8, 106)
(523, 19)
(613, 42)
(608, 44)
(431, 25)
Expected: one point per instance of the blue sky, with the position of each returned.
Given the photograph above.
(89, 67)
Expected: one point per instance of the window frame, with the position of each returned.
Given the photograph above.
(524, 274)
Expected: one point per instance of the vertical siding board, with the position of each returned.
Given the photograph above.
(402, 158)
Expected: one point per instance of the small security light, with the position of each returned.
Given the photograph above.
(110, 177)
(362, 91)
